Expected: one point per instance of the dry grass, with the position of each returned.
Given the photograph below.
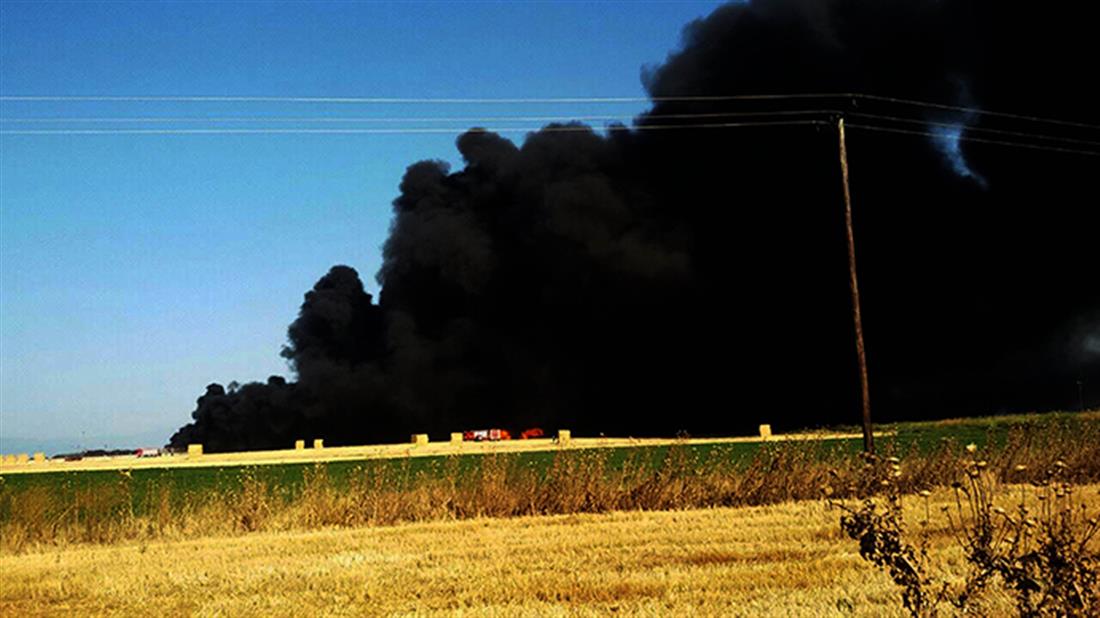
(388, 451)
(576, 482)
(577, 539)
(782, 560)
(1036, 542)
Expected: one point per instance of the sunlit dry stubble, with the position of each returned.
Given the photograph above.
(574, 482)
(787, 559)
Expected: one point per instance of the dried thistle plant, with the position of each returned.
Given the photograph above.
(1040, 554)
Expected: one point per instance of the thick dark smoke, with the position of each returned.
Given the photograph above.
(646, 282)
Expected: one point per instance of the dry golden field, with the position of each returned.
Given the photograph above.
(25, 464)
(788, 559)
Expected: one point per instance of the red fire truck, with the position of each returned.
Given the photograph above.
(494, 435)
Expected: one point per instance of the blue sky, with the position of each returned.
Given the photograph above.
(136, 269)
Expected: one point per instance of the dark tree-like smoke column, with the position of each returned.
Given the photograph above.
(645, 282)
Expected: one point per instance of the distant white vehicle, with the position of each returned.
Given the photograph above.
(481, 435)
(148, 452)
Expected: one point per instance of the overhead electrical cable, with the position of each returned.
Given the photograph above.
(962, 131)
(408, 100)
(384, 119)
(541, 100)
(403, 130)
(969, 128)
(976, 110)
(979, 140)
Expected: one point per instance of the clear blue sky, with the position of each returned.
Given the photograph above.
(136, 269)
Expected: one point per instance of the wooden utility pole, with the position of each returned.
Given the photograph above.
(853, 283)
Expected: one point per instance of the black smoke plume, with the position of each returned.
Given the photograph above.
(651, 281)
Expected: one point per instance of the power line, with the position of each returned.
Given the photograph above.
(226, 119)
(974, 139)
(385, 119)
(407, 100)
(403, 130)
(422, 119)
(611, 128)
(975, 110)
(971, 128)
(250, 119)
(541, 100)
